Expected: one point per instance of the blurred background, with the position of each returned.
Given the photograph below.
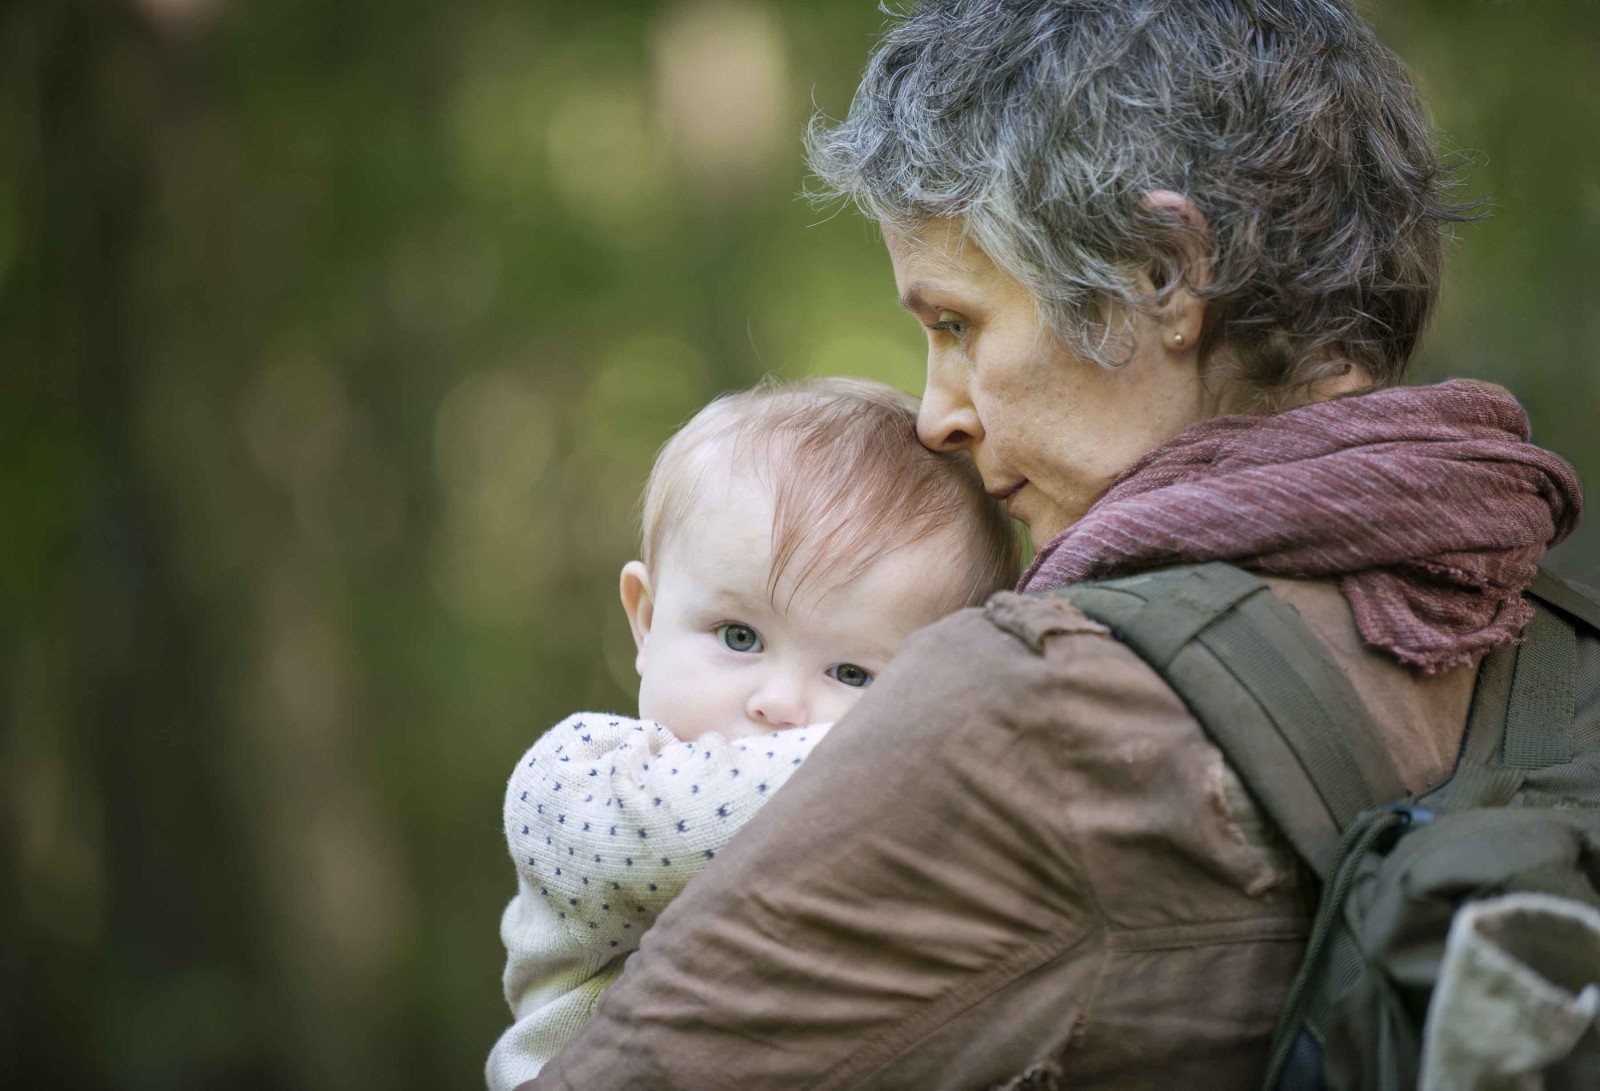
(335, 341)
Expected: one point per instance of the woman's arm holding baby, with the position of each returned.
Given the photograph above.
(1019, 840)
(606, 819)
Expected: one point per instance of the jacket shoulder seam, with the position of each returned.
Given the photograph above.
(1034, 619)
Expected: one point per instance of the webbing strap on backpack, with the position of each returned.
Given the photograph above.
(1265, 690)
(1524, 719)
(1558, 593)
(1538, 729)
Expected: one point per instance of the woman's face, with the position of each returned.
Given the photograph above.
(1049, 430)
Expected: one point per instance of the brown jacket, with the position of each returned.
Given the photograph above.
(1019, 849)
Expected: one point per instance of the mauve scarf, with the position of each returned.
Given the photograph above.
(1428, 503)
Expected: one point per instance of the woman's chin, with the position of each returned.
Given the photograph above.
(1042, 525)
(1046, 516)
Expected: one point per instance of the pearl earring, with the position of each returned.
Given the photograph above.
(1177, 340)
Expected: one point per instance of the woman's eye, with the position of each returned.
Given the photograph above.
(739, 638)
(851, 675)
(951, 323)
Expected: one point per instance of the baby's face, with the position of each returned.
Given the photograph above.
(716, 654)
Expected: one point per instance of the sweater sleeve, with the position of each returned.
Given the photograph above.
(606, 819)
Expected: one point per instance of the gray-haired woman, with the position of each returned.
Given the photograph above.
(1172, 259)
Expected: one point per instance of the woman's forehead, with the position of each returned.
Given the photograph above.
(936, 244)
(939, 255)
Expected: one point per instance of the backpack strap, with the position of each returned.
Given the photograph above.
(1264, 688)
(1525, 707)
(1543, 708)
(1557, 592)
(1543, 704)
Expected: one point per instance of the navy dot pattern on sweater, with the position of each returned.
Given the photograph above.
(656, 812)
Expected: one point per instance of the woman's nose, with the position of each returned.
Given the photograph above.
(947, 421)
(778, 703)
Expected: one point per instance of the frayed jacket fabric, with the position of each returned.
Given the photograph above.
(1019, 858)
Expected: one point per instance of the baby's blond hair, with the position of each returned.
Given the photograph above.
(850, 482)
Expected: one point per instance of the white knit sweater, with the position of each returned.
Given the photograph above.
(607, 818)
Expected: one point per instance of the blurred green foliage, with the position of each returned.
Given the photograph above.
(336, 340)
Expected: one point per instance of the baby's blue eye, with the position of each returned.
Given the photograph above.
(739, 638)
(851, 675)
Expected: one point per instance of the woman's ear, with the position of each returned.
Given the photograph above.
(1181, 317)
(638, 601)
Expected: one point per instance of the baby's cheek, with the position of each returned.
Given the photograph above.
(688, 711)
(689, 732)
(844, 701)
(658, 701)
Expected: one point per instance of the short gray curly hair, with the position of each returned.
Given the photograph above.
(1042, 124)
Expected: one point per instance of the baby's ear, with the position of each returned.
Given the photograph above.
(638, 601)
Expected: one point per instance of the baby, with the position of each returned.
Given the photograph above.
(794, 536)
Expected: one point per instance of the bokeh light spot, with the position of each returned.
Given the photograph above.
(492, 442)
(893, 360)
(295, 417)
(722, 92)
(606, 161)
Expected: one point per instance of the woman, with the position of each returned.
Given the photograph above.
(1172, 260)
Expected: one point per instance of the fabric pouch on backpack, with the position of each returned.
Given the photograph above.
(1529, 982)
(1516, 996)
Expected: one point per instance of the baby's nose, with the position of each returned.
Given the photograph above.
(780, 703)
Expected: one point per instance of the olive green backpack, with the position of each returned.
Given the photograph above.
(1520, 812)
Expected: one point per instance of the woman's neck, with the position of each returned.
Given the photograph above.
(1223, 394)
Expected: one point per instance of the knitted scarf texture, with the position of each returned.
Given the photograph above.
(1427, 503)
